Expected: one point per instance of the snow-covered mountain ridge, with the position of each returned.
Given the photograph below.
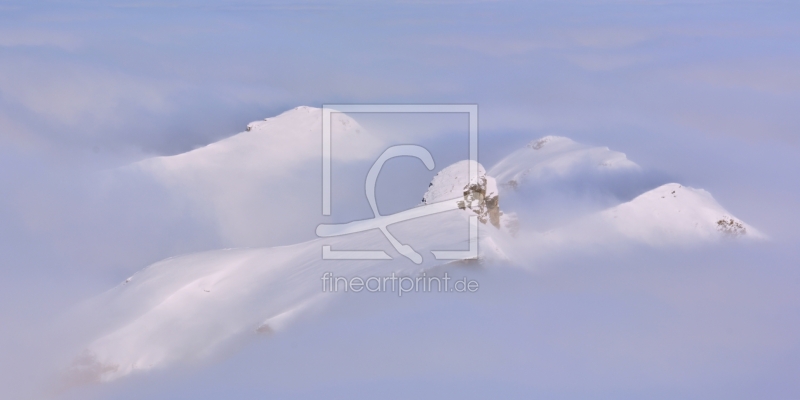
(268, 147)
(238, 183)
(555, 156)
(188, 307)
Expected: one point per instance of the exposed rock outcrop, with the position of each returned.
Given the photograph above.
(479, 194)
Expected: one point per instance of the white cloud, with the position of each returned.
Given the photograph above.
(73, 93)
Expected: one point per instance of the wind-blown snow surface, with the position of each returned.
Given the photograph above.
(671, 215)
(555, 156)
(271, 147)
(187, 307)
(243, 183)
(191, 307)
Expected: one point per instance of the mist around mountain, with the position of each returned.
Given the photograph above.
(193, 308)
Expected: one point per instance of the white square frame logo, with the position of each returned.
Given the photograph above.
(381, 221)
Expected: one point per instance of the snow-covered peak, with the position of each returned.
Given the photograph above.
(676, 213)
(552, 142)
(478, 193)
(272, 145)
(305, 116)
(237, 183)
(669, 215)
(450, 182)
(556, 156)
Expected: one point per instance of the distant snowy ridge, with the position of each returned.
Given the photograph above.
(555, 156)
(671, 215)
(667, 215)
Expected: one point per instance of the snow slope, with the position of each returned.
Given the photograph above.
(673, 213)
(668, 215)
(555, 156)
(271, 147)
(240, 184)
(188, 307)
